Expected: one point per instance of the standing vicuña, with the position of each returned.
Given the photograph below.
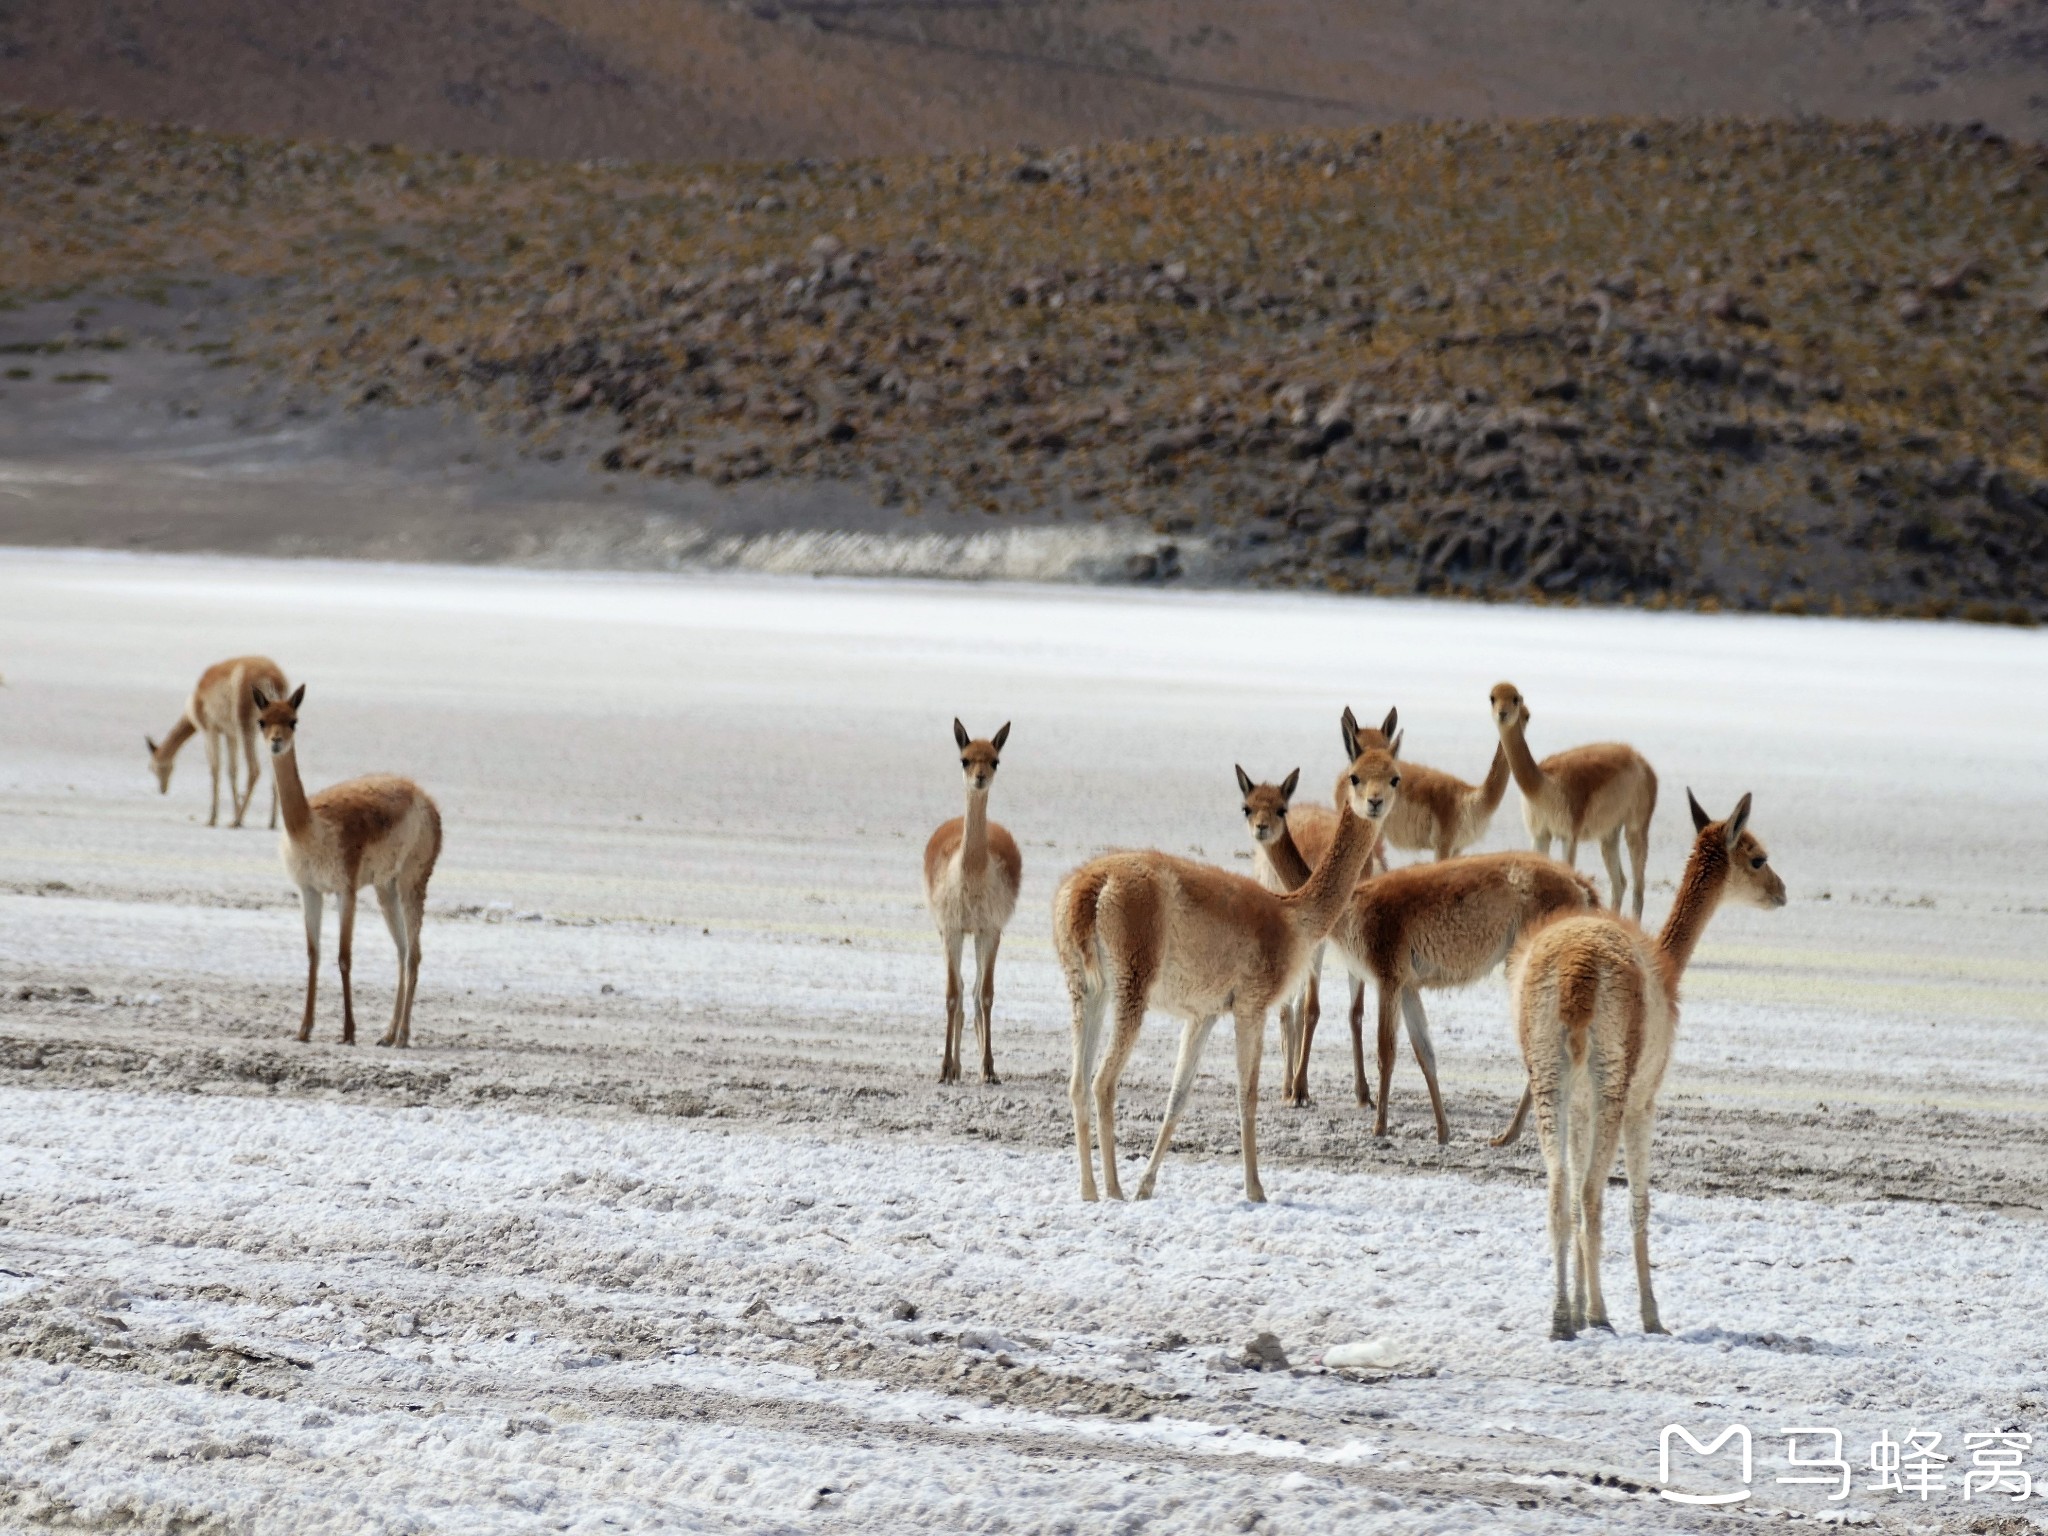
(1597, 792)
(1596, 1009)
(378, 831)
(1278, 865)
(971, 872)
(1437, 926)
(1438, 812)
(1150, 930)
(222, 709)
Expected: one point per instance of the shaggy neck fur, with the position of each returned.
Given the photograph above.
(1284, 858)
(1316, 905)
(1495, 789)
(178, 735)
(1699, 893)
(291, 794)
(1529, 777)
(974, 834)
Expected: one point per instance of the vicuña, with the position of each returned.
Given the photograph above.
(1596, 1009)
(222, 711)
(380, 831)
(1598, 792)
(1139, 930)
(971, 872)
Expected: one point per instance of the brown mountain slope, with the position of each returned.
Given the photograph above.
(693, 79)
(1759, 364)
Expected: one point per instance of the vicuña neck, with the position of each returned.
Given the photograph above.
(291, 794)
(1699, 893)
(175, 738)
(1284, 858)
(1515, 743)
(1317, 904)
(974, 831)
(1495, 788)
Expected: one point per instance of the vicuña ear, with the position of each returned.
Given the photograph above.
(1387, 725)
(1349, 726)
(298, 696)
(1738, 819)
(262, 701)
(960, 736)
(1699, 816)
(1001, 736)
(1287, 784)
(1394, 743)
(151, 741)
(1244, 780)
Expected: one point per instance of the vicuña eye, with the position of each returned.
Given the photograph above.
(1394, 782)
(1758, 862)
(1354, 781)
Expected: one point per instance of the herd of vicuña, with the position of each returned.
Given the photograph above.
(1593, 998)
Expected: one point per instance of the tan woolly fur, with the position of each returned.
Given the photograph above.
(1595, 1000)
(972, 869)
(1596, 793)
(222, 713)
(1147, 930)
(381, 831)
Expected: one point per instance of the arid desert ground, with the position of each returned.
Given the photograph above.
(665, 1221)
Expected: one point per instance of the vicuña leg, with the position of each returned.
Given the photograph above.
(345, 958)
(1194, 1035)
(394, 921)
(1639, 858)
(1358, 1044)
(1089, 1008)
(1513, 1132)
(1553, 1123)
(1389, 1002)
(1605, 1138)
(1635, 1152)
(415, 914)
(956, 1012)
(985, 945)
(1425, 1056)
(309, 906)
(1312, 1009)
(1540, 841)
(1251, 1043)
(1610, 850)
(1123, 1038)
(1290, 1047)
(213, 744)
(253, 762)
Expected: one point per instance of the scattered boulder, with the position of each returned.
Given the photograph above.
(1263, 1352)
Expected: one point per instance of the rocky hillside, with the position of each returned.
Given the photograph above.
(700, 79)
(1802, 366)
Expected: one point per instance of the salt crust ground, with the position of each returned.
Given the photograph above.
(318, 1309)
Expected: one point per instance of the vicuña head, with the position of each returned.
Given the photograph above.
(980, 758)
(278, 719)
(1750, 879)
(1510, 709)
(1265, 805)
(160, 764)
